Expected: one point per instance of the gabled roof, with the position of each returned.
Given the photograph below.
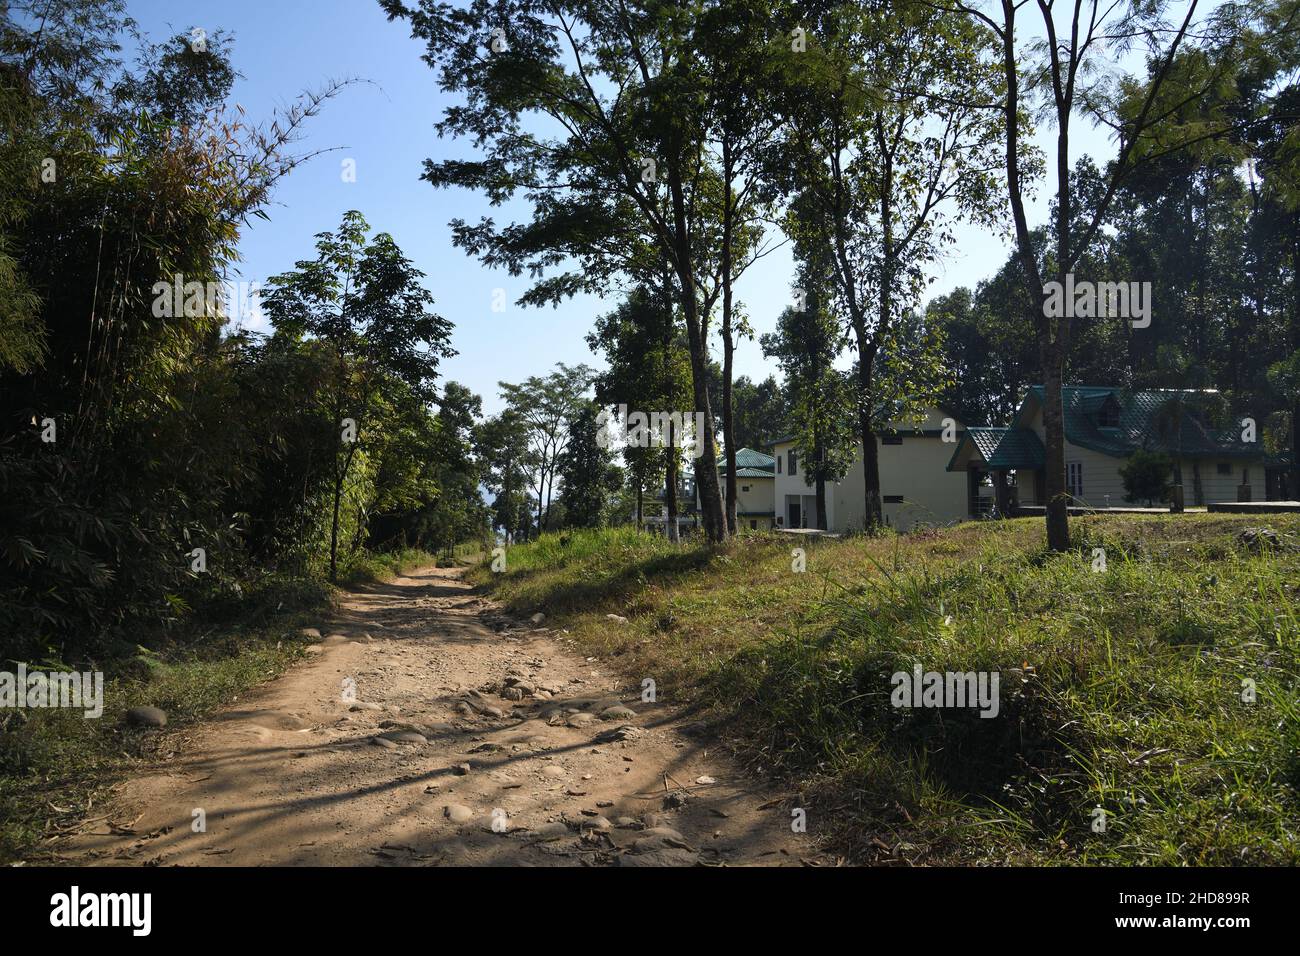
(748, 458)
(750, 464)
(1171, 420)
(1002, 448)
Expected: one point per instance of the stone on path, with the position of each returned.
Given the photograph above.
(147, 717)
(405, 737)
(458, 813)
(550, 831)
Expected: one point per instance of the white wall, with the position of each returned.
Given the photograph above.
(759, 496)
(916, 470)
(1101, 476)
(797, 486)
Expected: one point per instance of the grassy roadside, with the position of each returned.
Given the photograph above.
(1120, 689)
(56, 765)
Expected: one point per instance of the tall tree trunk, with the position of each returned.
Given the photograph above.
(819, 462)
(545, 523)
(334, 528)
(640, 497)
(1058, 499)
(339, 477)
(706, 464)
(1295, 347)
(670, 490)
(1053, 349)
(728, 424)
(871, 515)
(1050, 349)
(728, 341)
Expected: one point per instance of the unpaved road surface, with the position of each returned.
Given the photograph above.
(427, 730)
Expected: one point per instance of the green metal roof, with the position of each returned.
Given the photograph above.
(1004, 448)
(750, 464)
(1171, 420)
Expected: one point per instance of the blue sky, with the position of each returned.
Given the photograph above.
(282, 47)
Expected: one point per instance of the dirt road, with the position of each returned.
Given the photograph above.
(430, 731)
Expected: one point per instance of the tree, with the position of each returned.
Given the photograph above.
(623, 188)
(118, 178)
(1147, 476)
(458, 513)
(648, 370)
(587, 471)
(502, 445)
(1271, 98)
(806, 344)
(547, 406)
(887, 131)
(363, 300)
(1063, 75)
(740, 118)
(761, 412)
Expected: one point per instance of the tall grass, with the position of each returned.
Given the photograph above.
(1120, 689)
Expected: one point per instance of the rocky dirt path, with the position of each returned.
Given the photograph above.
(428, 730)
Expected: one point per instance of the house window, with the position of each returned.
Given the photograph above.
(744, 487)
(891, 439)
(1074, 478)
(794, 464)
(1108, 416)
(778, 464)
(1223, 468)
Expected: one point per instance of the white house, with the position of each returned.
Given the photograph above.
(754, 491)
(915, 486)
(1103, 427)
(934, 470)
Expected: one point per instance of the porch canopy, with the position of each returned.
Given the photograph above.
(998, 449)
(996, 452)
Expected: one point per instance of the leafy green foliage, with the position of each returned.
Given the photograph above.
(1147, 476)
(1121, 689)
(587, 471)
(133, 433)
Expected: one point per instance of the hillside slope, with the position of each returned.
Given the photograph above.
(1126, 689)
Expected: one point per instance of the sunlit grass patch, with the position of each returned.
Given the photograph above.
(1121, 689)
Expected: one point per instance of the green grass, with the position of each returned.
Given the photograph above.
(1120, 689)
(55, 764)
(366, 566)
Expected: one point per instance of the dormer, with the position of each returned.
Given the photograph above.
(1104, 410)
